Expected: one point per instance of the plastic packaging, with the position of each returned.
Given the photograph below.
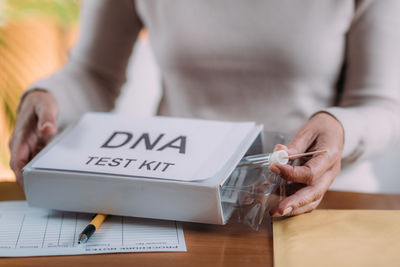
(252, 189)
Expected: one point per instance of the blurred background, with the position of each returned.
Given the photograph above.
(35, 37)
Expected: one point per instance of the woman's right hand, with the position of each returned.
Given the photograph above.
(34, 128)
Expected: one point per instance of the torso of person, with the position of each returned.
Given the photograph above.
(274, 62)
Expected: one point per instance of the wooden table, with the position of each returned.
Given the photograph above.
(207, 245)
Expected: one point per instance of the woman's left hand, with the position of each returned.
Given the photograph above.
(321, 132)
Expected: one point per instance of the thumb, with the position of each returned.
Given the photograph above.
(296, 146)
(47, 120)
(301, 141)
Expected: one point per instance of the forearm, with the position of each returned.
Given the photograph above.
(92, 78)
(369, 105)
(368, 129)
(77, 91)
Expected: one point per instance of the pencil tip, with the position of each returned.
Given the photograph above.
(82, 239)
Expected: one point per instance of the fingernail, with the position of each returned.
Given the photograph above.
(287, 211)
(45, 125)
(276, 215)
(275, 169)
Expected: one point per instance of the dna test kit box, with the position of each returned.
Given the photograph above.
(158, 167)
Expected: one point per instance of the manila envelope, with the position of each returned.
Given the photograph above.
(338, 238)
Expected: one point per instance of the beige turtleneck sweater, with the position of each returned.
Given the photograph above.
(272, 61)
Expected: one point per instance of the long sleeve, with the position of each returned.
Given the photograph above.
(369, 106)
(92, 77)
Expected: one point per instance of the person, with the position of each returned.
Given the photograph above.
(324, 71)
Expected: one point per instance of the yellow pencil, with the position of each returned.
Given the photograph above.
(91, 228)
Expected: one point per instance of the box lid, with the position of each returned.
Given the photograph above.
(158, 147)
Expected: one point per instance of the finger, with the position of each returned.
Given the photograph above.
(306, 208)
(292, 188)
(24, 134)
(301, 198)
(302, 140)
(19, 158)
(306, 174)
(300, 210)
(25, 124)
(23, 148)
(19, 149)
(31, 129)
(46, 113)
(304, 196)
(280, 147)
(32, 141)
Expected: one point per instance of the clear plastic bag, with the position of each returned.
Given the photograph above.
(250, 192)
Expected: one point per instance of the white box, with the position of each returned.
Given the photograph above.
(54, 180)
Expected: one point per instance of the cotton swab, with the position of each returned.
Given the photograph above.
(300, 155)
(280, 157)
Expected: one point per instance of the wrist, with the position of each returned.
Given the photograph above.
(329, 116)
(329, 121)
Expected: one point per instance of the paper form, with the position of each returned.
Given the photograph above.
(26, 231)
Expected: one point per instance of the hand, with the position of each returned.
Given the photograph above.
(35, 126)
(321, 132)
